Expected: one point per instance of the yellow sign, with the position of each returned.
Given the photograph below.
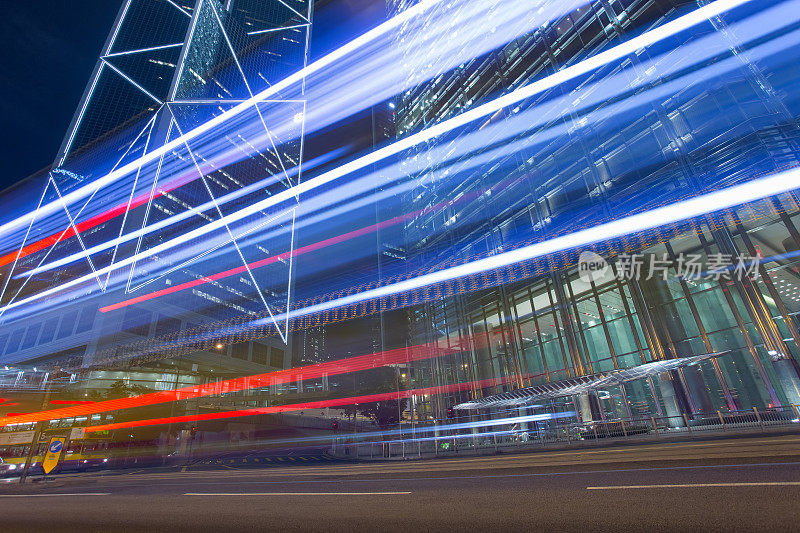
(54, 449)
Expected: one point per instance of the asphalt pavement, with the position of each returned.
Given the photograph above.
(750, 484)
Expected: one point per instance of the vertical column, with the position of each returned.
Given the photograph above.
(660, 345)
(585, 407)
(675, 404)
(756, 309)
(589, 407)
(523, 411)
(578, 364)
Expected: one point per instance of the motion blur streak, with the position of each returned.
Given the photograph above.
(588, 65)
(422, 430)
(337, 402)
(299, 251)
(334, 99)
(679, 211)
(471, 20)
(263, 262)
(177, 143)
(88, 224)
(342, 366)
(152, 228)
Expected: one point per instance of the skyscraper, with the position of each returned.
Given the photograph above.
(549, 326)
(164, 253)
(166, 67)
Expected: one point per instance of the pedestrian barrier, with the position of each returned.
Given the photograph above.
(481, 435)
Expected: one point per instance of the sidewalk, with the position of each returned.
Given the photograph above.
(412, 452)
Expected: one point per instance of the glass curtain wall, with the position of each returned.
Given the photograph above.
(558, 326)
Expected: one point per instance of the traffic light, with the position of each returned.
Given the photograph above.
(193, 431)
(451, 413)
(335, 425)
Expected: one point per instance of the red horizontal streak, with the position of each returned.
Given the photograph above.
(286, 255)
(455, 387)
(92, 222)
(261, 263)
(341, 366)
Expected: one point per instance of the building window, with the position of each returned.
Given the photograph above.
(67, 323)
(260, 353)
(87, 319)
(13, 343)
(240, 351)
(137, 321)
(31, 335)
(276, 358)
(49, 330)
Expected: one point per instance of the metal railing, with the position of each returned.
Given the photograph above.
(435, 439)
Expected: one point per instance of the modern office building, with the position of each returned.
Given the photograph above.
(544, 334)
(676, 320)
(166, 67)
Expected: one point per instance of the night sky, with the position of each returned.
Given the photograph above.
(49, 48)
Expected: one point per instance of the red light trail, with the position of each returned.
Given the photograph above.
(341, 366)
(299, 251)
(261, 263)
(455, 387)
(93, 222)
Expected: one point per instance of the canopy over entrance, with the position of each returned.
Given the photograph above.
(575, 386)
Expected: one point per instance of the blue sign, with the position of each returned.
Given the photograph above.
(54, 448)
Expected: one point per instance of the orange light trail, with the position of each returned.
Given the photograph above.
(395, 395)
(341, 366)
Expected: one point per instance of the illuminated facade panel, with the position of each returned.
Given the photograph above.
(471, 199)
(557, 325)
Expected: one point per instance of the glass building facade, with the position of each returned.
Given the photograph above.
(556, 326)
(624, 137)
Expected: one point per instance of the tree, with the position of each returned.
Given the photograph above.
(385, 414)
(121, 389)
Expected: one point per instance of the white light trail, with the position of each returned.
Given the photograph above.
(180, 217)
(466, 23)
(296, 78)
(344, 80)
(680, 211)
(709, 46)
(644, 40)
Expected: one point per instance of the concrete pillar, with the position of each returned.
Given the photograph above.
(585, 406)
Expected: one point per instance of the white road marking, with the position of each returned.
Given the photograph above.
(691, 485)
(54, 494)
(296, 493)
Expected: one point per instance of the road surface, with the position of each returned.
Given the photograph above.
(747, 484)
